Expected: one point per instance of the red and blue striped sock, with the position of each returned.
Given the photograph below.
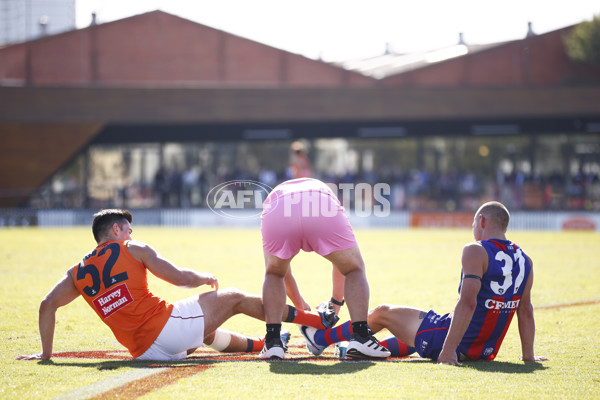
(340, 333)
(343, 332)
(396, 347)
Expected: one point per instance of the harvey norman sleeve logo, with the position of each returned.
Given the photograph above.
(113, 300)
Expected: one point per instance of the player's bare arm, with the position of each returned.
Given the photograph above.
(61, 294)
(473, 260)
(526, 322)
(166, 270)
(293, 292)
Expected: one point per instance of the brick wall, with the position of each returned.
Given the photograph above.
(157, 48)
(534, 61)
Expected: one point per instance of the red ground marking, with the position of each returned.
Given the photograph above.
(296, 353)
(142, 386)
(572, 304)
(174, 372)
(95, 354)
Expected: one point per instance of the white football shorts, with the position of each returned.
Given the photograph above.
(183, 331)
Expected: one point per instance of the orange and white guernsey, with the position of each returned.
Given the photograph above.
(115, 285)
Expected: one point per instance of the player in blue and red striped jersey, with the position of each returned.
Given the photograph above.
(496, 281)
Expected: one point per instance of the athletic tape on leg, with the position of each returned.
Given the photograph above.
(222, 340)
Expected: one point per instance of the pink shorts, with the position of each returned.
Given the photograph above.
(311, 219)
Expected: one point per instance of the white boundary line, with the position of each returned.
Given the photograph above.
(107, 384)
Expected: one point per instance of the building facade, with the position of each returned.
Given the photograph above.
(515, 121)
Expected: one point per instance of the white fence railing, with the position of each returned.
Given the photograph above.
(520, 220)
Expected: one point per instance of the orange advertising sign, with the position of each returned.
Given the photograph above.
(441, 220)
(579, 223)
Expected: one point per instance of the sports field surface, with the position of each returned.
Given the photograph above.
(419, 268)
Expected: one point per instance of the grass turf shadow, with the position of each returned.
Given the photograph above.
(310, 368)
(504, 367)
(293, 366)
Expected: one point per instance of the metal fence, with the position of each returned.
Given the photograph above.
(521, 220)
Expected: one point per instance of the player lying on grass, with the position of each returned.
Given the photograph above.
(113, 281)
(496, 281)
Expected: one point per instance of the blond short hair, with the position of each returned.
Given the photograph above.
(496, 212)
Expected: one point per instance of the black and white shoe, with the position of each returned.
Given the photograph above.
(272, 350)
(365, 347)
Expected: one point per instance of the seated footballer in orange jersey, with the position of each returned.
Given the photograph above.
(112, 279)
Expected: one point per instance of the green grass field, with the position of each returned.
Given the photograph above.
(413, 267)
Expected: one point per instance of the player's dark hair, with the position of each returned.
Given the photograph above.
(105, 219)
(497, 212)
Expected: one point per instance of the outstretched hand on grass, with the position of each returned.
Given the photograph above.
(37, 356)
(534, 359)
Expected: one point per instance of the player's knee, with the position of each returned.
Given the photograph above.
(356, 269)
(379, 314)
(275, 271)
(233, 297)
(233, 293)
(275, 274)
